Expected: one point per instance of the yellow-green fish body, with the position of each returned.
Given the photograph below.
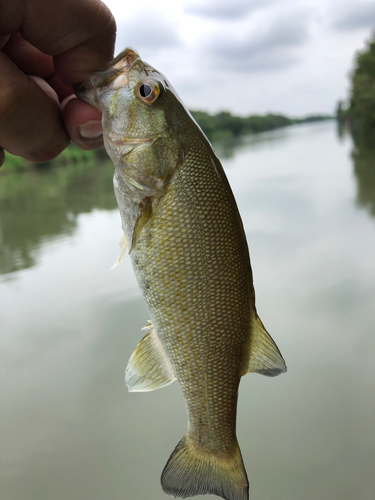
(190, 255)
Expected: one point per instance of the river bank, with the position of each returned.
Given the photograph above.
(218, 127)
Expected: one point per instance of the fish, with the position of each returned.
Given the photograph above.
(188, 249)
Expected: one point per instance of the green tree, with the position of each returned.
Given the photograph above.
(362, 96)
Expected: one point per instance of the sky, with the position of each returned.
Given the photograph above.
(250, 56)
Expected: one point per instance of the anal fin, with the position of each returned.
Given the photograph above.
(265, 357)
(148, 367)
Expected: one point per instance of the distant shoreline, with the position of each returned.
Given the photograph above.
(225, 125)
(218, 127)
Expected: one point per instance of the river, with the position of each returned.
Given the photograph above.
(71, 431)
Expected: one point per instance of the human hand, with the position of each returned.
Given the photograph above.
(59, 43)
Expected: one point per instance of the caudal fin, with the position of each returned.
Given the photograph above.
(191, 471)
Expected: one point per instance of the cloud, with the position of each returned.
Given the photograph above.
(360, 15)
(271, 48)
(225, 9)
(147, 31)
(291, 56)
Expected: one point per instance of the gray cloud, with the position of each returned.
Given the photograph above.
(225, 9)
(362, 15)
(147, 31)
(264, 62)
(271, 49)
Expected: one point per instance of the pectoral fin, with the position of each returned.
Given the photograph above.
(123, 246)
(145, 212)
(265, 357)
(148, 367)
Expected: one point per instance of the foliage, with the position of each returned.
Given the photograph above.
(218, 127)
(362, 96)
(224, 124)
(72, 154)
(13, 162)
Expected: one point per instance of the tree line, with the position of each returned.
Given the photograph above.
(219, 126)
(224, 124)
(359, 114)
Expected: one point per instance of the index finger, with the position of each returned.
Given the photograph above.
(79, 34)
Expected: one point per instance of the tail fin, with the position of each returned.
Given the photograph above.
(191, 471)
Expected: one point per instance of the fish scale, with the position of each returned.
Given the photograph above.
(205, 341)
(190, 256)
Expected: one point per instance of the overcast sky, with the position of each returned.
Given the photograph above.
(249, 56)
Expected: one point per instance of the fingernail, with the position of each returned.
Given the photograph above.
(91, 129)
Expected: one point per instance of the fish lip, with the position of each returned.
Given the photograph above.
(118, 139)
(82, 89)
(103, 77)
(128, 51)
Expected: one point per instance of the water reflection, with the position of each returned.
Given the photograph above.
(68, 325)
(363, 158)
(364, 170)
(44, 204)
(41, 205)
(228, 147)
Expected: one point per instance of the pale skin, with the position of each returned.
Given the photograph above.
(46, 48)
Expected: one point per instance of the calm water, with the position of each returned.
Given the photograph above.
(71, 431)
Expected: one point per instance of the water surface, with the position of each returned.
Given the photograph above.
(70, 429)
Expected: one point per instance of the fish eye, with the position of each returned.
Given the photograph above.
(148, 91)
(145, 90)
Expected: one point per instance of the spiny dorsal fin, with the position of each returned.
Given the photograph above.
(265, 357)
(145, 213)
(123, 246)
(148, 367)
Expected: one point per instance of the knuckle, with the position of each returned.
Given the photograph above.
(12, 95)
(29, 125)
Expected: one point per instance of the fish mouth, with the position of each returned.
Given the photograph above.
(114, 75)
(122, 61)
(118, 140)
(116, 72)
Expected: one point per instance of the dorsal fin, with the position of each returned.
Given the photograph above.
(148, 367)
(265, 357)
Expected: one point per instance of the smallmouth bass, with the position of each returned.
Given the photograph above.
(190, 256)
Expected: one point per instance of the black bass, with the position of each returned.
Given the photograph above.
(189, 253)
